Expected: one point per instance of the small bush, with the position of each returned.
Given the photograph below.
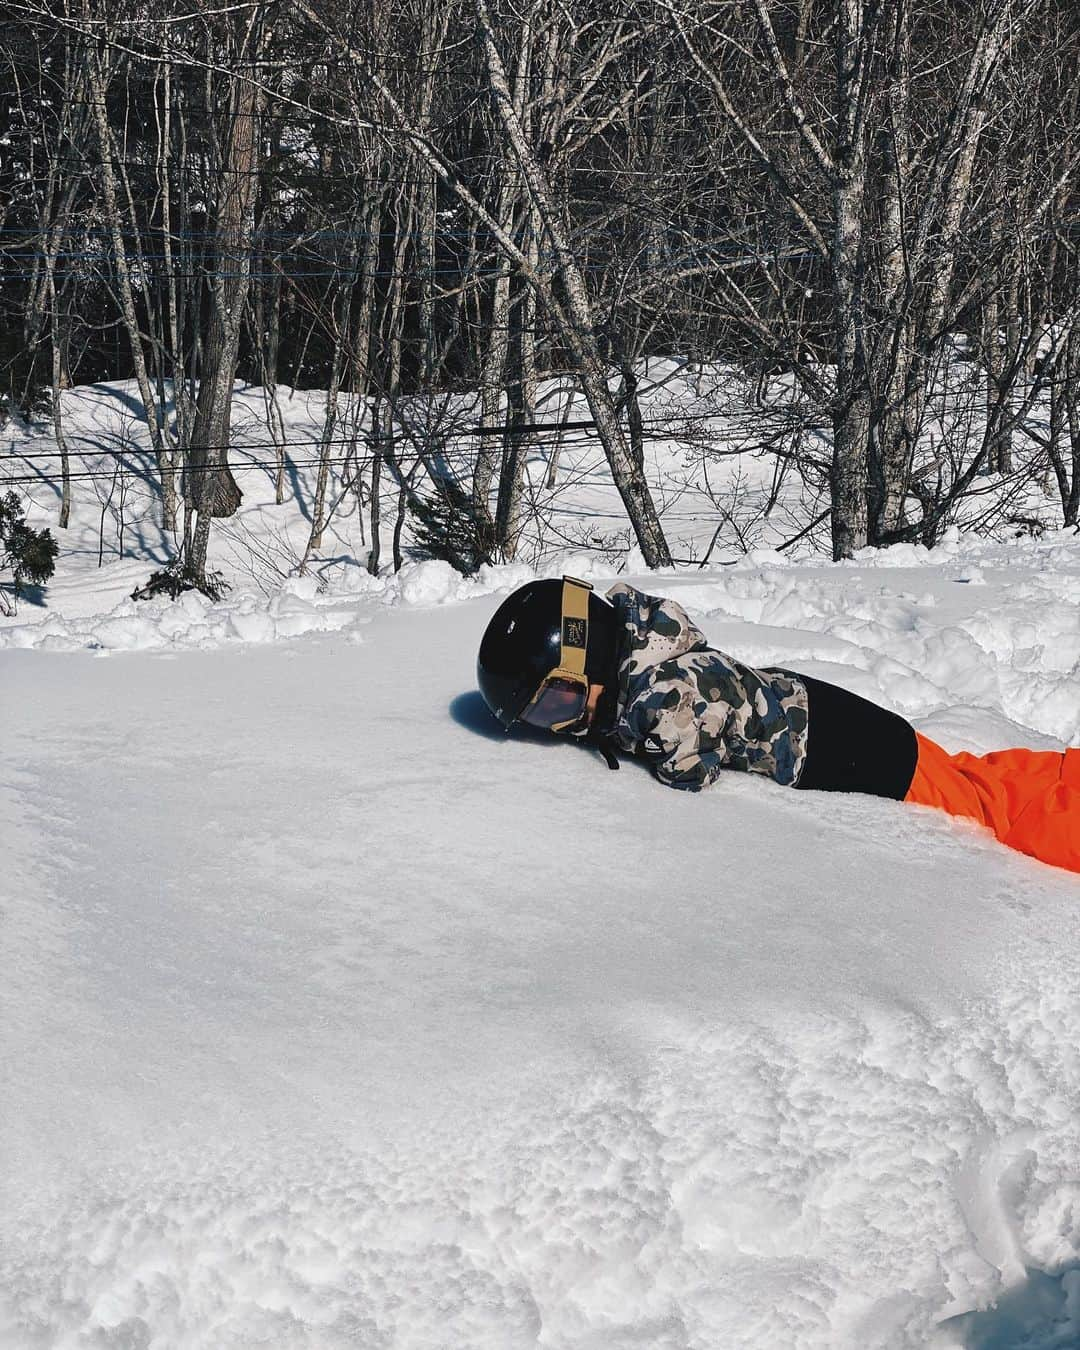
(175, 579)
(449, 527)
(29, 554)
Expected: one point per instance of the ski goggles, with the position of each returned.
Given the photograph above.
(561, 700)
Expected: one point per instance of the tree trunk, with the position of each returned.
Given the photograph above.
(120, 254)
(494, 407)
(577, 327)
(214, 490)
(169, 502)
(1070, 500)
(268, 322)
(892, 439)
(57, 409)
(851, 408)
(376, 490)
(517, 438)
(493, 372)
(628, 397)
(330, 419)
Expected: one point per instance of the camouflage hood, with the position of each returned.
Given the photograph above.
(691, 710)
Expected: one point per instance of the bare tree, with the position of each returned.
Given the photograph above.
(210, 486)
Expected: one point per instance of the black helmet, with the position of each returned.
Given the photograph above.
(522, 645)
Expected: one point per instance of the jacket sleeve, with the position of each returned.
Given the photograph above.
(681, 738)
(689, 766)
(662, 628)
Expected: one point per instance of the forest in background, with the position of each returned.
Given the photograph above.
(864, 207)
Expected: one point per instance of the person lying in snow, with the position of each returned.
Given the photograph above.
(631, 672)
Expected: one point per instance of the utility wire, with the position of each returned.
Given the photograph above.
(405, 446)
(541, 432)
(144, 471)
(286, 168)
(313, 235)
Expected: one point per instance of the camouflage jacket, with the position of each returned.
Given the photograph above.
(691, 710)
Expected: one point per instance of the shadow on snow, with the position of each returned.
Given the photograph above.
(1043, 1313)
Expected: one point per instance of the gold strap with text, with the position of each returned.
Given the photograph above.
(575, 624)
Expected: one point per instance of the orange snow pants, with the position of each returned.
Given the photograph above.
(1029, 798)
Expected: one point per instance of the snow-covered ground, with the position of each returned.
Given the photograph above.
(331, 1017)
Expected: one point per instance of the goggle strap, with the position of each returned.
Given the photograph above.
(575, 625)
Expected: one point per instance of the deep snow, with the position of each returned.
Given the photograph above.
(331, 1017)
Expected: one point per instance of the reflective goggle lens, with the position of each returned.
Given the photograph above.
(560, 703)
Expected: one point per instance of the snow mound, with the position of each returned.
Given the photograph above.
(192, 621)
(1016, 649)
(982, 624)
(314, 603)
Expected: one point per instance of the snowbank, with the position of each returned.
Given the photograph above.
(974, 622)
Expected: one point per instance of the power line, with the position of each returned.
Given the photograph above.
(313, 234)
(214, 274)
(382, 274)
(376, 56)
(284, 167)
(138, 262)
(310, 232)
(353, 273)
(543, 432)
(144, 472)
(403, 442)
